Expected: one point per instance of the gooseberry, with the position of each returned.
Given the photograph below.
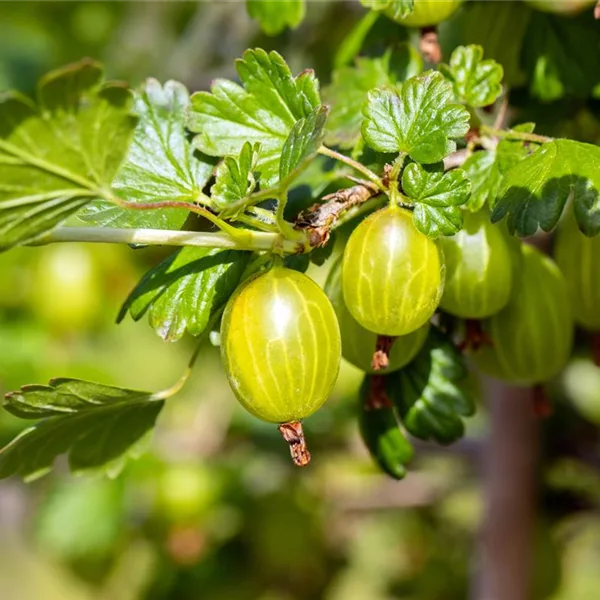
(358, 343)
(392, 274)
(426, 12)
(578, 258)
(562, 7)
(532, 335)
(280, 344)
(479, 269)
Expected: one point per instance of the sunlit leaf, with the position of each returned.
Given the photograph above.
(275, 15)
(438, 197)
(416, 117)
(263, 110)
(536, 189)
(186, 290)
(161, 163)
(61, 152)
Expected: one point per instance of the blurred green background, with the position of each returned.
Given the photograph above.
(213, 509)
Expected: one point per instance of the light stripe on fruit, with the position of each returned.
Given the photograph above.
(358, 343)
(280, 345)
(479, 269)
(578, 257)
(392, 274)
(532, 336)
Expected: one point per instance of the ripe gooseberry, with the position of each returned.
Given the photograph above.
(532, 335)
(358, 343)
(577, 256)
(392, 274)
(479, 269)
(280, 344)
(426, 12)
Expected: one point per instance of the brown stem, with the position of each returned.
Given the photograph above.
(319, 218)
(475, 336)
(377, 397)
(509, 491)
(293, 434)
(381, 356)
(429, 45)
(541, 402)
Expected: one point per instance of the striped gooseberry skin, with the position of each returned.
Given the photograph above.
(427, 12)
(358, 343)
(479, 269)
(578, 257)
(392, 274)
(280, 345)
(532, 336)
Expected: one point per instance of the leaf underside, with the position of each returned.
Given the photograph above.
(94, 424)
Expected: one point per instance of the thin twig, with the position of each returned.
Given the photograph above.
(318, 220)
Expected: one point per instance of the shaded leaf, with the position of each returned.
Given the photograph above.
(94, 423)
(381, 432)
(476, 81)
(536, 189)
(438, 196)
(431, 393)
(350, 85)
(275, 15)
(161, 163)
(235, 179)
(264, 109)
(186, 290)
(58, 154)
(415, 117)
(561, 56)
(486, 168)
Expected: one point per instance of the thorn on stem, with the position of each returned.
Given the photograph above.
(381, 356)
(293, 434)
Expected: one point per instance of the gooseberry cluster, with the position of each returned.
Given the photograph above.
(282, 336)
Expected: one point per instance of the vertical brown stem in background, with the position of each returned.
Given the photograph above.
(504, 568)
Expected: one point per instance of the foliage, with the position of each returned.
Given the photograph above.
(220, 172)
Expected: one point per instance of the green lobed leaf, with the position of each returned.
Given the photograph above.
(486, 168)
(235, 178)
(264, 110)
(397, 9)
(302, 144)
(161, 163)
(94, 423)
(416, 117)
(58, 154)
(185, 291)
(536, 189)
(350, 85)
(275, 15)
(476, 82)
(438, 196)
(431, 393)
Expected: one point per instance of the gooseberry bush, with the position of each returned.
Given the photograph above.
(409, 169)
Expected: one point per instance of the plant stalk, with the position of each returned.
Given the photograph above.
(253, 240)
